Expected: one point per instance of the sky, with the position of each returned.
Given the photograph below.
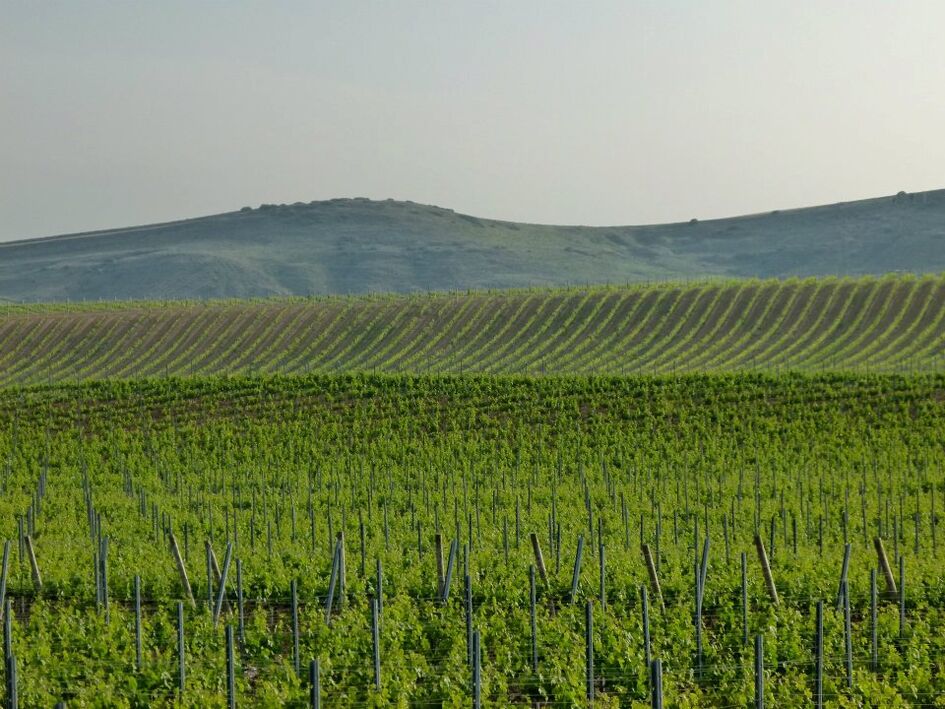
(624, 112)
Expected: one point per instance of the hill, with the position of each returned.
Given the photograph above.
(877, 324)
(348, 246)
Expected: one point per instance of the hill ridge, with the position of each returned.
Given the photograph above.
(347, 246)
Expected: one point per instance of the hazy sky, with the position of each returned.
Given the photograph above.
(623, 112)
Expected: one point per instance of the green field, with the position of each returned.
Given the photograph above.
(278, 467)
(867, 324)
(431, 441)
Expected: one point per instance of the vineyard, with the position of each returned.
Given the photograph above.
(891, 324)
(361, 540)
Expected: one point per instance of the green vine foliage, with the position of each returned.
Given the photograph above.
(278, 466)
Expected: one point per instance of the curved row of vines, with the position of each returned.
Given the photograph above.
(889, 324)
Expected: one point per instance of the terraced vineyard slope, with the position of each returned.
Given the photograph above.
(887, 324)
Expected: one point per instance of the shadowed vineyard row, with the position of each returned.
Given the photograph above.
(307, 513)
(890, 324)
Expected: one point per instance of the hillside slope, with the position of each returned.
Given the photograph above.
(360, 246)
(876, 324)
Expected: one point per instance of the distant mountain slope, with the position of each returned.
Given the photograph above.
(875, 324)
(361, 246)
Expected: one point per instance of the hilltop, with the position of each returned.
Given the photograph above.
(888, 324)
(348, 246)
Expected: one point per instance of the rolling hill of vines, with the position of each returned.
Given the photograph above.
(885, 324)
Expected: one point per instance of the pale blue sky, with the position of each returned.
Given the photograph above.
(623, 112)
